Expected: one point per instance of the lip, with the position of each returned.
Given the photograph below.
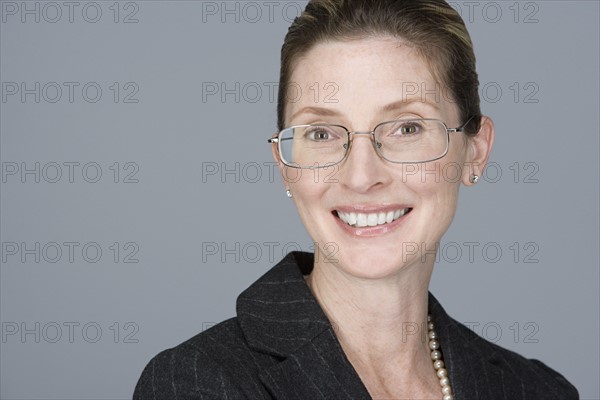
(371, 231)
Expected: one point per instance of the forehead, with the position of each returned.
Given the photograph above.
(365, 64)
(369, 73)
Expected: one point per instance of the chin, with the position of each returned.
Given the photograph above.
(367, 263)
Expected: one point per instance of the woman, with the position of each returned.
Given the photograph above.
(356, 320)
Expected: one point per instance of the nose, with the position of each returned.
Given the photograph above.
(363, 169)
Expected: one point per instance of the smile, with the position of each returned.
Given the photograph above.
(361, 220)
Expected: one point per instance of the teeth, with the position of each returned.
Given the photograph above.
(351, 219)
(372, 219)
(389, 217)
(361, 220)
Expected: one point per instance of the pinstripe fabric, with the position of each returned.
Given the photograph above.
(281, 346)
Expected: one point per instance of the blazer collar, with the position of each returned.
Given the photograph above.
(279, 316)
(278, 312)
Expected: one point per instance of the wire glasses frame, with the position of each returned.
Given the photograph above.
(279, 140)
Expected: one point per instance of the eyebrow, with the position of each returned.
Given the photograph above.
(328, 112)
(402, 103)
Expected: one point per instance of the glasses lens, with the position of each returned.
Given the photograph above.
(412, 141)
(313, 146)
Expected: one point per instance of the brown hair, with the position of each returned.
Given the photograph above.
(434, 28)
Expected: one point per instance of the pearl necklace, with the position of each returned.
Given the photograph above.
(438, 362)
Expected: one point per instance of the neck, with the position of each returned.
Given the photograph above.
(380, 323)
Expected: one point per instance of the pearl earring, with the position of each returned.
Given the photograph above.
(474, 178)
(288, 193)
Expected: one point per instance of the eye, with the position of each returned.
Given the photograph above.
(407, 128)
(320, 134)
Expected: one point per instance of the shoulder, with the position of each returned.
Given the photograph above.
(226, 360)
(479, 368)
(541, 380)
(517, 376)
(215, 364)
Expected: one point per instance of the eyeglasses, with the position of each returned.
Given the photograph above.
(400, 141)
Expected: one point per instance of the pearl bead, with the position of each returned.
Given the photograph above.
(438, 364)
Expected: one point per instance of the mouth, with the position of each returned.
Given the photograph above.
(363, 220)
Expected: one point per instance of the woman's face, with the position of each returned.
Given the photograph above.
(359, 84)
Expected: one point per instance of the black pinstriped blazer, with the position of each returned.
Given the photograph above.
(282, 346)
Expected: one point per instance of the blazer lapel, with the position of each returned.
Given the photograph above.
(475, 368)
(317, 370)
(279, 316)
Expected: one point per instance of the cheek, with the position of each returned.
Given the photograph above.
(437, 185)
(439, 181)
(312, 183)
(308, 189)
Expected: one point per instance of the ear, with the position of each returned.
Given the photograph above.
(478, 151)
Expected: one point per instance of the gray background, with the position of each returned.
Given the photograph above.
(166, 209)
